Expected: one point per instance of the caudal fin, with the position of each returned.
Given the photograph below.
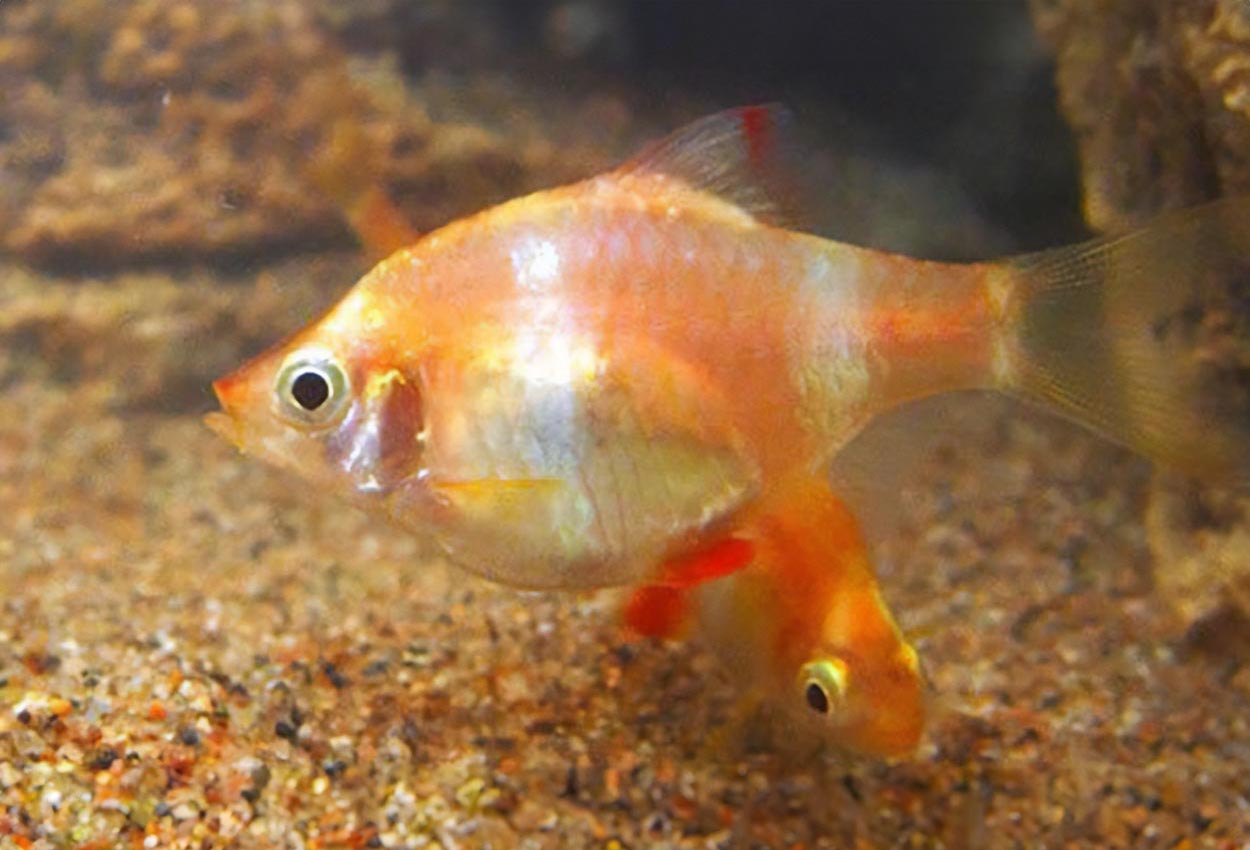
(1144, 337)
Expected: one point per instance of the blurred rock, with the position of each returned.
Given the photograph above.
(580, 29)
(1158, 93)
(156, 129)
(1200, 539)
(147, 130)
(145, 341)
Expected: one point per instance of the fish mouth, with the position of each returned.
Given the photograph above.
(224, 422)
(224, 426)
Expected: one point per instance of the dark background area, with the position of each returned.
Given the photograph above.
(962, 86)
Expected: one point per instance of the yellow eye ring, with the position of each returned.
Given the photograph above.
(312, 389)
(824, 685)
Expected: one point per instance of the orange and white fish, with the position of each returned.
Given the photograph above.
(803, 627)
(567, 389)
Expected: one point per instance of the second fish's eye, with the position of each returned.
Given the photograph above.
(312, 388)
(824, 682)
(816, 698)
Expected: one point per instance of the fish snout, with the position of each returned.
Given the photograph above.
(889, 707)
(874, 705)
(227, 422)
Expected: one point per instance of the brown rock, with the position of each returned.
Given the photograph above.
(191, 129)
(1158, 93)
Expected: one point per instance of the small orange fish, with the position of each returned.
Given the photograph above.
(803, 626)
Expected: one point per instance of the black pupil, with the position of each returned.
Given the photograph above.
(310, 390)
(817, 698)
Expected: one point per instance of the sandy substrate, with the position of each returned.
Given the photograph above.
(196, 651)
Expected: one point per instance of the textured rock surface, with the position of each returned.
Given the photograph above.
(151, 128)
(1158, 93)
(147, 130)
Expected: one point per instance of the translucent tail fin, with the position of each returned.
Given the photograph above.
(1144, 337)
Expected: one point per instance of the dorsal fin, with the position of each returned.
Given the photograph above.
(735, 155)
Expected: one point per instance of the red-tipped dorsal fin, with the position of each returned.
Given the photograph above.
(735, 155)
(758, 129)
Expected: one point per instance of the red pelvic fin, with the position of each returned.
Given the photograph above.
(656, 610)
(718, 560)
(662, 608)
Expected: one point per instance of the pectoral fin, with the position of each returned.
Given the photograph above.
(498, 497)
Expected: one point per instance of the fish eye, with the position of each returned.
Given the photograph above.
(817, 699)
(312, 388)
(824, 684)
